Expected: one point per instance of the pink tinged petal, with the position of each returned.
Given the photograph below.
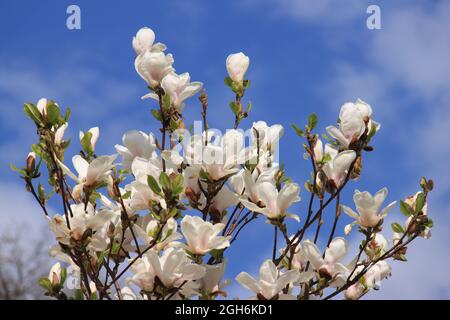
(313, 254)
(350, 212)
(248, 282)
(379, 198)
(66, 170)
(336, 251)
(288, 195)
(338, 135)
(388, 208)
(81, 166)
(268, 272)
(269, 194)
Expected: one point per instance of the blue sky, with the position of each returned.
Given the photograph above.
(306, 56)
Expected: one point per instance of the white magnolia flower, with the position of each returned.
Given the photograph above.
(127, 294)
(147, 229)
(144, 41)
(136, 144)
(369, 207)
(220, 158)
(179, 88)
(153, 66)
(245, 183)
(351, 126)
(237, 65)
(55, 274)
(411, 201)
(173, 268)
(210, 282)
(42, 106)
(95, 131)
(82, 220)
(298, 261)
(224, 199)
(379, 271)
(271, 281)
(329, 266)
(337, 168)
(59, 134)
(89, 174)
(370, 280)
(267, 136)
(377, 246)
(320, 152)
(202, 236)
(273, 203)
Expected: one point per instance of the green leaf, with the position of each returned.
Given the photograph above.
(63, 276)
(45, 283)
(164, 181)
(406, 209)
(397, 228)
(173, 125)
(79, 294)
(177, 185)
(166, 101)
(234, 108)
(67, 115)
(153, 184)
(312, 121)
(86, 143)
(249, 107)
(326, 158)
(33, 113)
(156, 114)
(228, 81)
(299, 131)
(21, 171)
(53, 114)
(420, 202)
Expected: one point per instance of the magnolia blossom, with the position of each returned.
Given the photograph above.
(179, 88)
(337, 168)
(220, 158)
(369, 207)
(237, 65)
(371, 279)
(329, 266)
(210, 282)
(42, 106)
(95, 131)
(377, 246)
(136, 144)
(82, 220)
(144, 41)
(351, 125)
(173, 268)
(59, 134)
(89, 174)
(273, 203)
(267, 137)
(55, 274)
(411, 201)
(153, 66)
(297, 260)
(321, 152)
(224, 199)
(202, 236)
(271, 281)
(148, 227)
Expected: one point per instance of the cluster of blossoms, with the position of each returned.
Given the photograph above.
(155, 220)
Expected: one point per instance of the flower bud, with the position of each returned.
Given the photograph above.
(55, 274)
(143, 40)
(31, 162)
(237, 65)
